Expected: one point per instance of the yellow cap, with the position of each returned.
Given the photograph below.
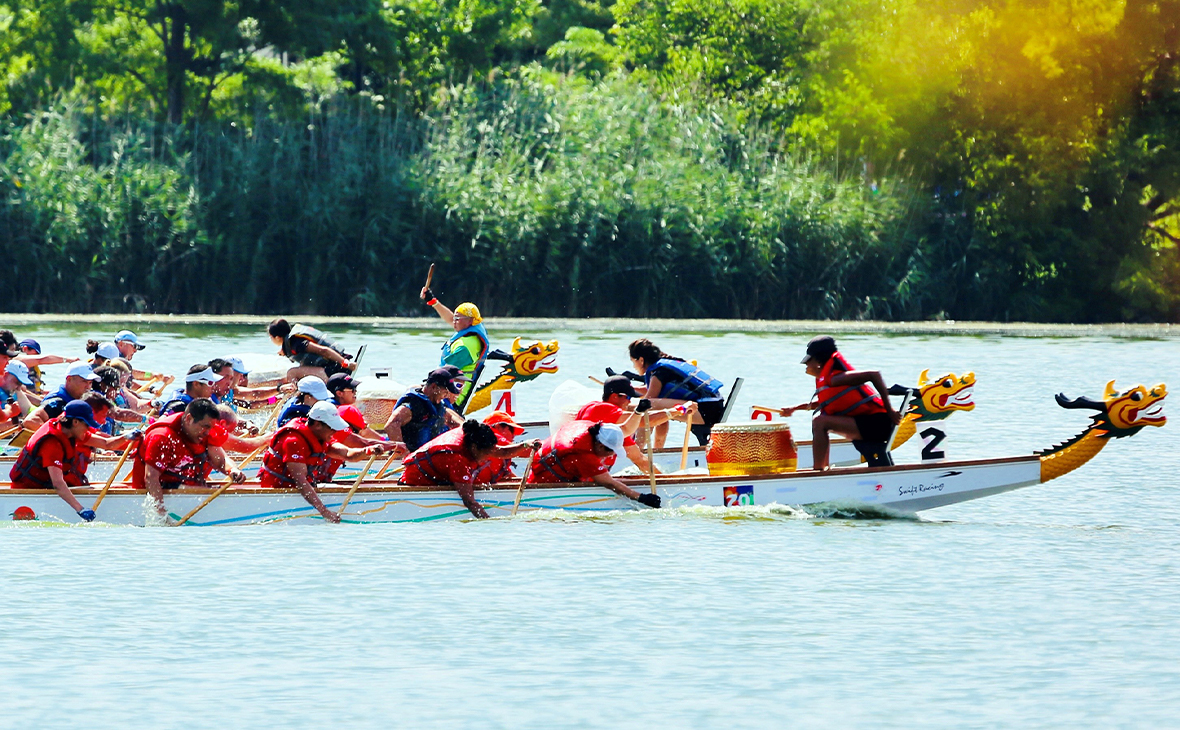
(467, 309)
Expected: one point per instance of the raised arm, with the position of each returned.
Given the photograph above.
(443, 311)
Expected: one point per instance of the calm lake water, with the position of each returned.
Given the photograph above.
(1054, 606)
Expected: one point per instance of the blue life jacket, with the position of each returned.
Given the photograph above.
(295, 410)
(56, 403)
(176, 404)
(680, 380)
(427, 420)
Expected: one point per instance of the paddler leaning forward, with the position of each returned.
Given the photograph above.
(583, 451)
(305, 452)
(312, 351)
(467, 349)
(424, 413)
(55, 456)
(452, 458)
(177, 452)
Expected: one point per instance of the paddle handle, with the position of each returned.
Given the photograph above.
(273, 415)
(356, 484)
(596, 380)
(111, 479)
(385, 466)
(520, 489)
(684, 448)
(220, 490)
(9, 432)
(651, 451)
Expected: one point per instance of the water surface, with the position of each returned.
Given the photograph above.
(1048, 607)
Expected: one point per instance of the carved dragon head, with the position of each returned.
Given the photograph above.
(1126, 413)
(529, 361)
(939, 398)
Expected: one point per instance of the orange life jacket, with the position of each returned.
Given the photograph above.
(28, 468)
(318, 464)
(847, 400)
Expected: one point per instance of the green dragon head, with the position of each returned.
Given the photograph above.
(1123, 414)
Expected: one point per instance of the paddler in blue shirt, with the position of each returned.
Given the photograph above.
(423, 414)
(669, 382)
(467, 349)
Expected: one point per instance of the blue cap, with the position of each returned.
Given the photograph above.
(31, 344)
(81, 410)
(238, 366)
(129, 336)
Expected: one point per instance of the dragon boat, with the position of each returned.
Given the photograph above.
(905, 488)
(935, 399)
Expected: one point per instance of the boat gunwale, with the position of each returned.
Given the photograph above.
(372, 487)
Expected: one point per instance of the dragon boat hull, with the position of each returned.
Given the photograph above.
(907, 489)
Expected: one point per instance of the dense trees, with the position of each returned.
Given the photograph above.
(876, 158)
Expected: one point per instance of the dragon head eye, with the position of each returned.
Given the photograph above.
(1137, 396)
(535, 350)
(948, 383)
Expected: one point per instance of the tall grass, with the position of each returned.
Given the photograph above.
(540, 195)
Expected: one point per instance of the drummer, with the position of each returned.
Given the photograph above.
(615, 407)
(846, 405)
(468, 348)
(669, 381)
(582, 451)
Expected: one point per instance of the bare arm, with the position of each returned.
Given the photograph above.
(63, 489)
(859, 377)
(400, 417)
(339, 451)
(151, 480)
(637, 457)
(328, 353)
(606, 480)
(453, 418)
(222, 463)
(35, 361)
(298, 472)
(444, 312)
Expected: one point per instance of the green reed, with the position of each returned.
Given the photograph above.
(539, 195)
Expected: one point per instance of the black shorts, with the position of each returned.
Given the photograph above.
(874, 427)
(711, 411)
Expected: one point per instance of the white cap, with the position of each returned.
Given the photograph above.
(108, 350)
(205, 376)
(327, 414)
(20, 371)
(238, 366)
(82, 370)
(611, 436)
(314, 387)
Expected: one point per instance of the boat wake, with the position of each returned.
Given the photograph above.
(755, 513)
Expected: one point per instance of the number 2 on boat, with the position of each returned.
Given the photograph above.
(739, 496)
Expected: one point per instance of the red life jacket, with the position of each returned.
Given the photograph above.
(849, 400)
(28, 473)
(423, 464)
(195, 473)
(572, 441)
(319, 467)
(494, 469)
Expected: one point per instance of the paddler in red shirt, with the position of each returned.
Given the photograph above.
(53, 457)
(451, 459)
(582, 451)
(499, 469)
(617, 393)
(302, 454)
(177, 452)
(846, 405)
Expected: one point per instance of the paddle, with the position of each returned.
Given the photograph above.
(429, 276)
(220, 490)
(9, 432)
(520, 489)
(596, 380)
(273, 415)
(381, 471)
(111, 479)
(356, 485)
(684, 448)
(651, 458)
